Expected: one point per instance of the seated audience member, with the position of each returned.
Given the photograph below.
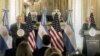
(52, 51)
(46, 43)
(12, 51)
(55, 54)
(97, 54)
(23, 49)
(5, 40)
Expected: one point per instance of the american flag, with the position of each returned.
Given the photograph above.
(30, 31)
(92, 21)
(56, 35)
(92, 18)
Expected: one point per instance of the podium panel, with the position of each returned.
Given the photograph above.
(92, 44)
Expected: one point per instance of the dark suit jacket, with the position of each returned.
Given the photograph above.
(14, 28)
(13, 32)
(84, 27)
(40, 52)
(10, 52)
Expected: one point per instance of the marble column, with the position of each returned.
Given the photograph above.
(77, 18)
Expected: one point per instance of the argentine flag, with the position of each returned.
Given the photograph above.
(43, 30)
(68, 35)
(69, 39)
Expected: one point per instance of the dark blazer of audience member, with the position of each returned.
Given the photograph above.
(14, 28)
(0, 53)
(46, 43)
(23, 49)
(97, 53)
(12, 51)
(52, 51)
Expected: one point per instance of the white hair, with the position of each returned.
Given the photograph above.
(3, 30)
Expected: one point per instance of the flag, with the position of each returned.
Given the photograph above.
(5, 39)
(5, 19)
(92, 18)
(69, 39)
(92, 21)
(25, 17)
(43, 30)
(69, 18)
(56, 35)
(31, 34)
(68, 35)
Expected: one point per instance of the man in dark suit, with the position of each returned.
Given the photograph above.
(14, 28)
(46, 43)
(86, 26)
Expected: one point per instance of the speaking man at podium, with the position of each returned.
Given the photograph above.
(89, 23)
(17, 30)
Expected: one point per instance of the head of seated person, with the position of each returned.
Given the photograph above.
(55, 54)
(23, 49)
(46, 40)
(51, 50)
(3, 31)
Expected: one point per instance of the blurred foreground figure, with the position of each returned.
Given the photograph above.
(23, 49)
(52, 52)
(12, 51)
(5, 39)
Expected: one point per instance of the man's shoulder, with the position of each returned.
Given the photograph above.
(13, 24)
(85, 24)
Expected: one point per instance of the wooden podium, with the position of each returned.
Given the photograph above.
(92, 41)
